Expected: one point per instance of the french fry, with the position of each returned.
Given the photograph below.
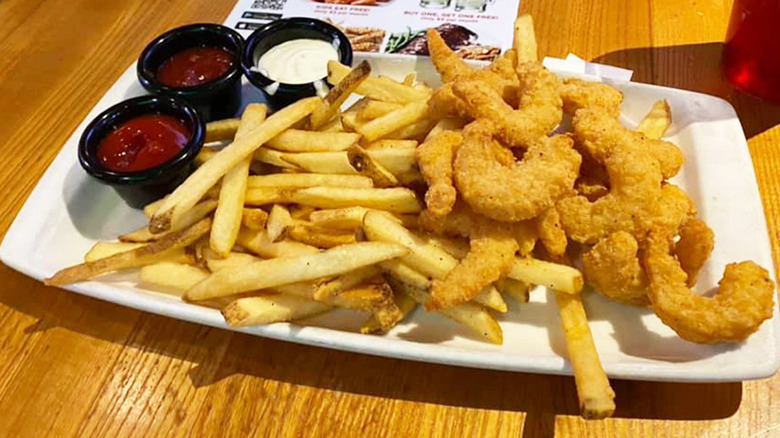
(392, 144)
(198, 212)
(328, 288)
(259, 243)
(376, 298)
(597, 399)
(405, 305)
(410, 78)
(310, 235)
(279, 220)
(657, 121)
(101, 250)
(274, 158)
(201, 180)
(244, 312)
(254, 218)
(397, 199)
(204, 155)
(232, 260)
(347, 218)
(471, 315)
(561, 278)
(403, 272)
(175, 275)
(399, 161)
(227, 217)
(144, 255)
(351, 121)
(524, 41)
(516, 289)
(366, 165)
(378, 88)
(267, 195)
(416, 131)
(334, 125)
(296, 140)
(491, 297)
(301, 212)
(338, 95)
(286, 270)
(221, 130)
(426, 257)
(391, 122)
(298, 180)
(376, 108)
(151, 208)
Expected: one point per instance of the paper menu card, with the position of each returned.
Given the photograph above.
(476, 29)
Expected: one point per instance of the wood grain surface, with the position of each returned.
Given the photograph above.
(74, 366)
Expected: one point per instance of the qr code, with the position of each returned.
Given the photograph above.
(268, 4)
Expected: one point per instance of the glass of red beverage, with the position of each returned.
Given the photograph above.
(751, 57)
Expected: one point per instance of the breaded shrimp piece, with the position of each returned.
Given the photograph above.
(499, 76)
(548, 226)
(517, 190)
(449, 65)
(694, 247)
(612, 268)
(458, 223)
(462, 221)
(744, 301)
(434, 157)
(578, 94)
(491, 256)
(539, 108)
(598, 133)
(636, 202)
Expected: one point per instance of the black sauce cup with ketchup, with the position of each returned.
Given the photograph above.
(143, 147)
(279, 94)
(200, 63)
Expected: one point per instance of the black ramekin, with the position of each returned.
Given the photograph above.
(279, 31)
(142, 187)
(218, 99)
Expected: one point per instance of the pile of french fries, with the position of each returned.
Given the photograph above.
(313, 208)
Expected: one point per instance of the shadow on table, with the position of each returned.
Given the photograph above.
(220, 354)
(695, 67)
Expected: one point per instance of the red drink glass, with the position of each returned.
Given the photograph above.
(751, 58)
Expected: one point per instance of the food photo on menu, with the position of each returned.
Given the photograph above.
(408, 179)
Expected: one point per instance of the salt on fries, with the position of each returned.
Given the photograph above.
(315, 208)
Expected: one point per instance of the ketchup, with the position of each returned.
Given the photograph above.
(142, 143)
(194, 66)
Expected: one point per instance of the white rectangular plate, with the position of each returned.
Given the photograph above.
(68, 212)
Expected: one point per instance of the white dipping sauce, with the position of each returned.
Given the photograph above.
(298, 61)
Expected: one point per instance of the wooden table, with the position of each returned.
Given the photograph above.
(71, 365)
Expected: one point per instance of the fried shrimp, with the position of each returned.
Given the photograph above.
(694, 247)
(498, 76)
(744, 301)
(612, 268)
(598, 133)
(539, 108)
(578, 94)
(636, 202)
(548, 226)
(513, 191)
(491, 256)
(449, 65)
(435, 158)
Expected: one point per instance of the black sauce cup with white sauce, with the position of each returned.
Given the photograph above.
(278, 32)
